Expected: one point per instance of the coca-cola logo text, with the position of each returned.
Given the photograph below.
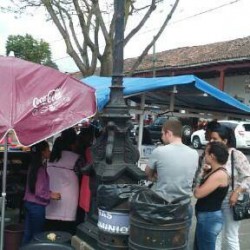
(52, 96)
(49, 103)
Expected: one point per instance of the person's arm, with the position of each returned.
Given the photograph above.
(199, 172)
(220, 178)
(42, 191)
(150, 173)
(150, 169)
(242, 165)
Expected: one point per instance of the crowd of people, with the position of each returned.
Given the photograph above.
(176, 170)
(57, 191)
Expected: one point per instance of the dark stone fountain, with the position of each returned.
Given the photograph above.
(115, 156)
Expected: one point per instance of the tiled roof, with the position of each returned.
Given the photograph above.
(234, 50)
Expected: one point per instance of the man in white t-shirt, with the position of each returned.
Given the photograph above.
(172, 167)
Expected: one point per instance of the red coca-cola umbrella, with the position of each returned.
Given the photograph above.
(37, 102)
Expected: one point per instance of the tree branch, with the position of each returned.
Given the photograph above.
(65, 35)
(89, 16)
(141, 23)
(101, 21)
(145, 52)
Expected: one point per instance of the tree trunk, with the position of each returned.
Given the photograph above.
(107, 62)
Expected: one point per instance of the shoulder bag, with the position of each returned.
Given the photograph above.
(241, 210)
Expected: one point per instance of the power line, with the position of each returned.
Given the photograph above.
(171, 23)
(207, 11)
(195, 15)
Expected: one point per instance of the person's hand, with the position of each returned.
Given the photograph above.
(207, 168)
(55, 196)
(233, 198)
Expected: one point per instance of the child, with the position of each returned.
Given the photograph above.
(37, 193)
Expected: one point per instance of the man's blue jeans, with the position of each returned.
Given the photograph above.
(34, 220)
(209, 225)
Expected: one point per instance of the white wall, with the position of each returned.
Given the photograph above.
(213, 81)
(236, 86)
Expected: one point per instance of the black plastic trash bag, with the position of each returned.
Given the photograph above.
(149, 206)
(110, 196)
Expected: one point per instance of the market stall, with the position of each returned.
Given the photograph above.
(185, 95)
(39, 103)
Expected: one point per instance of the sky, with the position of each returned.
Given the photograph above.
(195, 22)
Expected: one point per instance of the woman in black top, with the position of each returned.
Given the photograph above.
(210, 194)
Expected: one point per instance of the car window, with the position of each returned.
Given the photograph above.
(158, 122)
(173, 118)
(163, 120)
(232, 125)
(246, 126)
(224, 123)
(229, 125)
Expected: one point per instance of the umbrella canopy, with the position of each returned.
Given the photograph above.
(38, 101)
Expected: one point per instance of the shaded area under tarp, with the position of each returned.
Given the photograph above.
(189, 92)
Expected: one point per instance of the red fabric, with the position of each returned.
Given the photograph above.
(88, 156)
(85, 193)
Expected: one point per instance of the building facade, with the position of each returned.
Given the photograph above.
(225, 65)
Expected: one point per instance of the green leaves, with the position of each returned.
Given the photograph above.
(30, 49)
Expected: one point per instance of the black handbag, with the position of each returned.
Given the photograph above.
(241, 210)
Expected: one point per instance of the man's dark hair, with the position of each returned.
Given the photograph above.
(226, 133)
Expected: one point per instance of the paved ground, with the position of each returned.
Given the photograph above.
(244, 234)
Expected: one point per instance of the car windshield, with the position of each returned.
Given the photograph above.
(160, 120)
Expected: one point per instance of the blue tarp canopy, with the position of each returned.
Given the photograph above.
(190, 93)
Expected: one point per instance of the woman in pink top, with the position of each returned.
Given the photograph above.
(37, 193)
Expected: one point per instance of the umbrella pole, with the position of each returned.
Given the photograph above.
(141, 124)
(4, 190)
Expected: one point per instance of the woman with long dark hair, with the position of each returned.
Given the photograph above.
(230, 231)
(37, 193)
